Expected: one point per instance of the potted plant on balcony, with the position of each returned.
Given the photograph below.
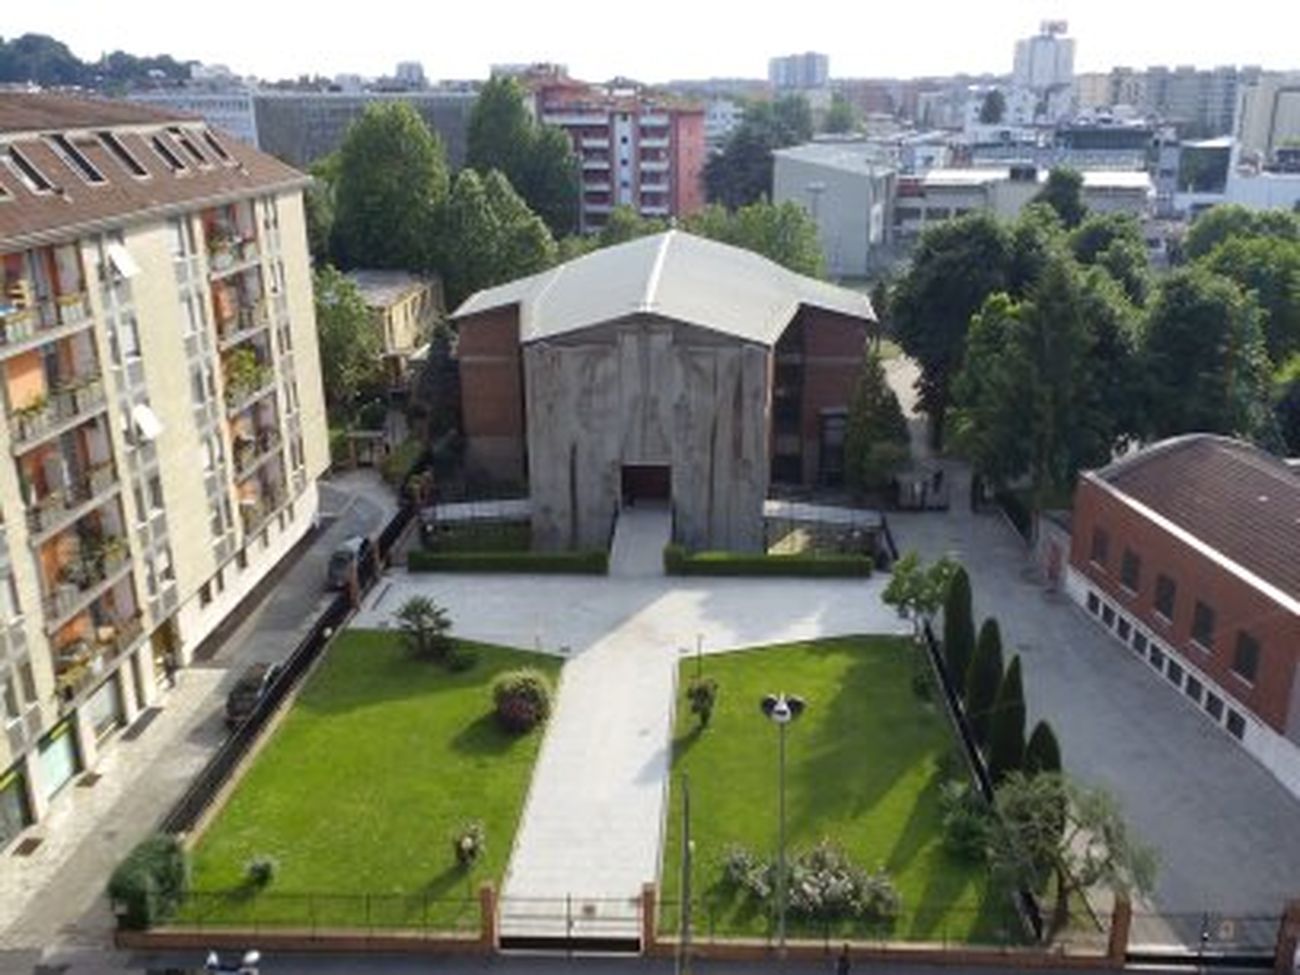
(243, 373)
(29, 415)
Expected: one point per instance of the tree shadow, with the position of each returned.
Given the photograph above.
(921, 827)
(483, 736)
(683, 743)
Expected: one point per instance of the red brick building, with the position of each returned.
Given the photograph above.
(634, 148)
(669, 368)
(1188, 552)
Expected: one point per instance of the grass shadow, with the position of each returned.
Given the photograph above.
(483, 736)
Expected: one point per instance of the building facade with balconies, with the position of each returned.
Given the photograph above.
(164, 421)
(633, 150)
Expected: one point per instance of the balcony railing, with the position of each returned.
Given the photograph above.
(240, 396)
(77, 665)
(226, 255)
(34, 323)
(82, 579)
(255, 514)
(247, 322)
(52, 414)
(250, 454)
(61, 507)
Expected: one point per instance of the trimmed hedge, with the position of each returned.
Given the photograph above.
(146, 888)
(587, 563)
(678, 562)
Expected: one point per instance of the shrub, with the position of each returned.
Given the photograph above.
(958, 630)
(461, 658)
(469, 843)
(982, 680)
(1042, 754)
(825, 885)
(702, 692)
(744, 871)
(965, 821)
(522, 699)
(595, 562)
(425, 626)
(146, 888)
(678, 562)
(402, 461)
(1007, 730)
(923, 684)
(261, 870)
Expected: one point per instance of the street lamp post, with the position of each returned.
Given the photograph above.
(782, 710)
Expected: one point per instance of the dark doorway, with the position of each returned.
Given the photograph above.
(646, 482)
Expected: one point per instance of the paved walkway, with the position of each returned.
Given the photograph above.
(52, 903)
(640, 535)
(593, 819)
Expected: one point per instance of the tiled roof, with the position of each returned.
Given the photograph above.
(1236, 499)
(75, 204)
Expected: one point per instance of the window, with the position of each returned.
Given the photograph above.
(1236, 725)
(1245, 662)
(129, 337)
(1174, 672)
(241, 559)
(155, 493)
(28, 681)
(1094, 604)
(169, 156)
(1140, 642)
(1166, 593)
(1108, 616)
(188, 145)
(32, 178)
(1122, 629)
(9, 607)
(1100, 546)
(1157, 658)
(1130, 571)
(205, 595)
(1203, 625)
(1193, 688)
(1214, 706)
(74, 158)
(216, 146)
(13, 710)
(114, 145)
(221, 580)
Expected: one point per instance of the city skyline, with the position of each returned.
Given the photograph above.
(946, 38)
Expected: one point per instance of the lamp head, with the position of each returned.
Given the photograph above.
(782, 708)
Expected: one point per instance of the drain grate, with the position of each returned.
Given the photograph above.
(28, 846)
(88, 780)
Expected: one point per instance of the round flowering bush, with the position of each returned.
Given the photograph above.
(469, 843)
(522, 699)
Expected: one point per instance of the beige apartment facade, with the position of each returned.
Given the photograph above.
(404, 309)
(164, 421)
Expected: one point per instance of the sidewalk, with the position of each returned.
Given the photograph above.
(52, 901)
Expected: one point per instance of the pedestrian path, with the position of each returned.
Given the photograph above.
(640, 535)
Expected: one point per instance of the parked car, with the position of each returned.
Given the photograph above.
(249, 691)
(357, 550)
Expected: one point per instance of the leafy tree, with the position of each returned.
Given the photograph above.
(350, 346)
(876, 440)
(1286, 403)
(1270, 268)
(1007, 725)
(392, 179)
(1099, 231)
(1217, 224)
(435, 393)
(881, 306)
(425, 627)
(1130, 267)
(956, 266)
(742, 172)
(842, 116)
(993, 108)
(784, 233)
(624, 224)
(1042, 753)
(1036, 237)
(1063, 192)
(318, 207)
(958, 629)
(916, 590)
(1048, 828)
(538, 160)
(41, 59)
(983, 679)
(1204, 359)
(525, 246)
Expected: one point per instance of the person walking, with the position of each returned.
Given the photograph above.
(842, 964)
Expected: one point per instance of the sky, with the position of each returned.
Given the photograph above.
(658, 40)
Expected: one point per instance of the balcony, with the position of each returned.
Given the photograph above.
(250, 453)
(96, 564)
(601, 142)
(595, 164)
(25, 327)
(255, 512)
(247, 322)
(654, 165)
(240, 396)
(60, 508)
(82, 660)
(62, 409)
(654, 121)
(227, 256)
(653, 143)
(598, 187)
(652, 210)
(596, 207)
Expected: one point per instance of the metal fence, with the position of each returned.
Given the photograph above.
(244, 909)
(572, 921)
(1211, 935)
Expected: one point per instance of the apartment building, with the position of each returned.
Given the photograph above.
(1186, 553)
(404, 309)
(634, 148)
(164, 422)
(799, 72)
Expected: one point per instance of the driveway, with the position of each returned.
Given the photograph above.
(1227, 832)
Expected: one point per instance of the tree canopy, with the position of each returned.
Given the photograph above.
(842, 116)
(351, 350)
(784, 233)
(1268, 267)
(392, 180)
(1217, 224)
(742, 172)
(875, 439)
(1063, 192)
(993, 107)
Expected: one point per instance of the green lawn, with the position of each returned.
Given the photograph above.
(863, 769)
(358, 795)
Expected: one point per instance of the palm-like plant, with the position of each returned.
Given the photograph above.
(426, 627)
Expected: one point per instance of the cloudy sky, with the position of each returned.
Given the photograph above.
(661, 39)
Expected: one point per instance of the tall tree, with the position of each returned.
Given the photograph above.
(1270, 268)
(538, 160)
(1204, 360)
(784, 233)
(1063, 192)
(742, 172)
(956, 266)
(1007, 725)
(842, 116)
(1217, 224)
(917, 590)
(875, 440)
(993, 108)
(624, 224)
(1286, 403)
(392, 179)
(958, 629)
(350, 346)
(318, 208)
(1099, 231)
(1049, 828)
(983, 679)
(1042, 753)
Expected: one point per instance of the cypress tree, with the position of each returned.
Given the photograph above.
(1007, 728)
(958, 630)
(983, 679)
(1042, 754)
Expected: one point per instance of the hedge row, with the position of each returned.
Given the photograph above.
(587, 563)
(678, 562)
(148, 885)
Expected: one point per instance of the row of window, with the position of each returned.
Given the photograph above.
(217, 584)
(1246, 654)
(1165, 662)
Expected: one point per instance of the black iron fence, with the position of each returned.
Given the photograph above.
(248, 910)
(1212, 935)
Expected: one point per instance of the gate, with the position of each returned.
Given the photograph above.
(1209, 938)
(570, 924)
